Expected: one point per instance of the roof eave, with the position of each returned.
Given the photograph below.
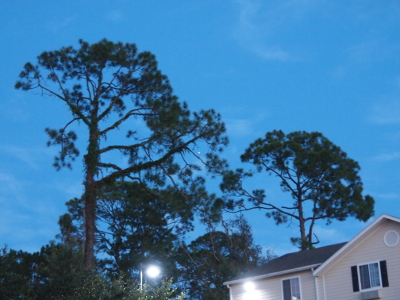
(280, 273)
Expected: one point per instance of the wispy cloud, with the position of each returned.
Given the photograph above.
(388, 196)
(253, 32)
(261, 22)
(12, 193)
(15, 108)
(28, 155)
(339, 73)
(239, 126)
(69, 188)
(386, 112)
(372, 50)
(60, 24)
(397, 81)
(28, 238)
(9, 183)
(115, 15)
(330, 235)
(386, 157)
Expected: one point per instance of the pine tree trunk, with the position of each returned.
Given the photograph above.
(303, 236)
(90, 223)
(91, 163)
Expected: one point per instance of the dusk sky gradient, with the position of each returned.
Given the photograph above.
(327, 66)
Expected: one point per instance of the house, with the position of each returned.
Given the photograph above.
(365, 268)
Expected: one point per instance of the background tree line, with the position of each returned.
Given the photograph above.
(197, 269)
(138, 209)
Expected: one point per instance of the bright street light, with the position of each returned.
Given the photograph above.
(249, 286)
(251, 292)
(151, 270)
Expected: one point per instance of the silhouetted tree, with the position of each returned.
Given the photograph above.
(107, 87)
(217, 256)
(323, 182)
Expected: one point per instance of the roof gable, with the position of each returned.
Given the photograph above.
(318, 259)
(365, 232)
(288, 263)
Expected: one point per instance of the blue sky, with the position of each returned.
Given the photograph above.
(327, 66)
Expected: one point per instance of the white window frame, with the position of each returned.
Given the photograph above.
(291, 295)
(369, 275)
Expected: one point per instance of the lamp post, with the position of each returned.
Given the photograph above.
(152, 271)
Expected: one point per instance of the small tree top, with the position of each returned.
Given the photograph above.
(323, 182)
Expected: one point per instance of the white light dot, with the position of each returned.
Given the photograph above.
(153, 271)
(249, 286)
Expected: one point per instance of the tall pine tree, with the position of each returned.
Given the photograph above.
(110, 86)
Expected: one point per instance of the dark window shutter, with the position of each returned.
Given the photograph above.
(354, 277)
(384, 273)
(287, 290)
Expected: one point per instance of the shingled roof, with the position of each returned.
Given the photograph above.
(290, 262)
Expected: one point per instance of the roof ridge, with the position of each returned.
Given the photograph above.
(300, 260)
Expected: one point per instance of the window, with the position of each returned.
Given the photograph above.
(291, 289)
(369, 276)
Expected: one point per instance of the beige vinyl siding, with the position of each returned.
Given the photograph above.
(370, 248)
(271, 288)
(264, 289)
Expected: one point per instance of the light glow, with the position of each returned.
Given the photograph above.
(249, 286)
(153, 271)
